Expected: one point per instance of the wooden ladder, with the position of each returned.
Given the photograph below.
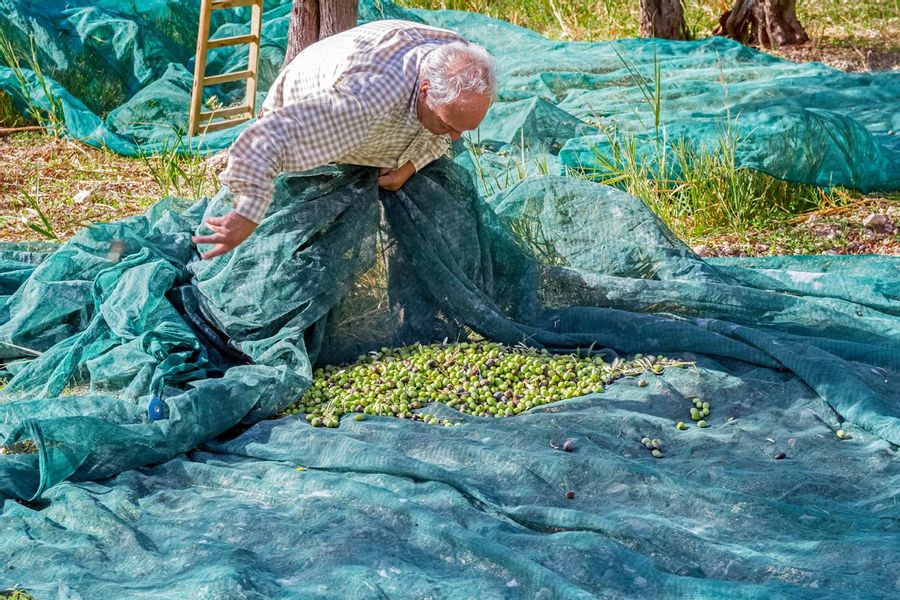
(201, 122)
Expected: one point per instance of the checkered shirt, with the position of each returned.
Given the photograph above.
(350, 98)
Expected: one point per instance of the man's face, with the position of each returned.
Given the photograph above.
(463, 114)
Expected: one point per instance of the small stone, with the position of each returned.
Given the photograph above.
(81, 196)
(570, 495)
(700, 250)
(874, 221)
(780, 456)
(642, 383)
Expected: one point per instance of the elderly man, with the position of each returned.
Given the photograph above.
(387, 94)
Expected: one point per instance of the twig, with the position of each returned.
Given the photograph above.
(824, 212)
(9, 130)
(22, 348)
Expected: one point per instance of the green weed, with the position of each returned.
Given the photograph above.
(48, 113)
(179, 172)
(15, 594)
(33, 216)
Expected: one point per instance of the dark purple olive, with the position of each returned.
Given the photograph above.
(570, 495)
(780, 455)
(569, 445)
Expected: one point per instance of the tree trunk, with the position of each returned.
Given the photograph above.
(662, 19)
(313, 20)
(765, 23)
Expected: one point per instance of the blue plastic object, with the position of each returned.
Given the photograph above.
(155, 408)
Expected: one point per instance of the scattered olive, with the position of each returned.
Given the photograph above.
(569, 445)
(657, 454)
(680, 426)
(841, 434)
(780, 455)
(570, 495)
(702, 424)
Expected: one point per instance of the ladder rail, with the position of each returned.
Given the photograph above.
(202, 122)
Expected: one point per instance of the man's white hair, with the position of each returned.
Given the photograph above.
(456, 69)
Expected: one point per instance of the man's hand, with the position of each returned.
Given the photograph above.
(393, 179)
(229, 232)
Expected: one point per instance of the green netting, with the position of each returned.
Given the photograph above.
(788, 349)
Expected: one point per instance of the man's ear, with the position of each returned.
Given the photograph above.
(423, 89)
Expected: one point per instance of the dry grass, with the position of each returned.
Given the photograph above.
(55, 171)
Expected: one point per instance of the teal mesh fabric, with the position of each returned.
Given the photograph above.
(208, 501)
(787, 350)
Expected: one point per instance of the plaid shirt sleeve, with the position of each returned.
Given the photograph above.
(316, 130)
(434, 148)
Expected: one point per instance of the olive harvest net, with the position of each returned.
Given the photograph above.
(142, 457)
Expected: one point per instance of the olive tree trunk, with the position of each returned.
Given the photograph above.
(313, 20)
(662, 19)
(765, 23)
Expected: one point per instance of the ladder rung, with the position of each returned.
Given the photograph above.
(223, 124)
(232, 3)
(227, 77)
(225, 112)
(231, 41)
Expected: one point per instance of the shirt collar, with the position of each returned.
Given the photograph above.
(424, 49)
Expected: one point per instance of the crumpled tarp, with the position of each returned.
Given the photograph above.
(216, 500)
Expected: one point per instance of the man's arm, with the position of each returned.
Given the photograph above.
(393, 179)
(435, 148)
(315, 131)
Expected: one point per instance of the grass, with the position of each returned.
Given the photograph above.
(866, 23)
(861, 22)
(178, 173)
(15, 594)
(48, 113)
(73, 185)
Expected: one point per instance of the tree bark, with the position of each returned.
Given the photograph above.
(313, 20)
(663, 19)
(765, 23)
